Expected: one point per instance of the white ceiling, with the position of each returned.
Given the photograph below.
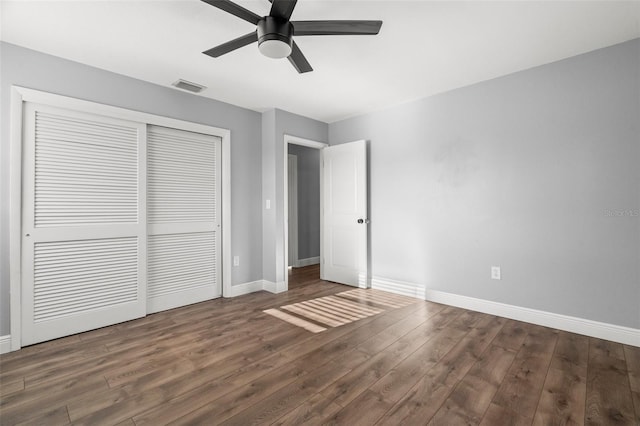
(424, 47)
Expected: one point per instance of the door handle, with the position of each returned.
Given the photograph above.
(363, 220)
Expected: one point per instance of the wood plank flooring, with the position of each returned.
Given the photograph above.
(227, 362)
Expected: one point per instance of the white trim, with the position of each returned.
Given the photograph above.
(253, 286)
(364, 280)
(612, 332)
(308, 261)
(19, 95)
(52, 99)
(5, 344)
(285, 207)
(272, 287)
(226, 214)
(304, 142)
(292, 206)
(398, 287)
(15, 219)
(246, 288)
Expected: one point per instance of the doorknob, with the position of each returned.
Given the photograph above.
(363, 220)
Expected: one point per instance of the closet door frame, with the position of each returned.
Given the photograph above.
(19, 96)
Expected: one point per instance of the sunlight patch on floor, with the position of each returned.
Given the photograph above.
(343, 308)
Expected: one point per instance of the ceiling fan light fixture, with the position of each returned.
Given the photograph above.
(276, 49)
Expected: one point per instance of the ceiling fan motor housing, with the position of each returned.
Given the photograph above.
(274, 29)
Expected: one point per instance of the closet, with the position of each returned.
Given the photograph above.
(119, 219)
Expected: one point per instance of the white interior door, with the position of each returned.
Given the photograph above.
(184, 218)
(344, 206)
(83, 224)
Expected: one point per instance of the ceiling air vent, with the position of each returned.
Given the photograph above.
(189, 86)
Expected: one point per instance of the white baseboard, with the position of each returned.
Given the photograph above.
(614, 333)
(308, 261)
(272, 287)
(364, 281)
(253, 286)
(246, 288)
(398, 287)
(5, 344)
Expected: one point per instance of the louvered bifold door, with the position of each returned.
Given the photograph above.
(183, 218)
(84, 222)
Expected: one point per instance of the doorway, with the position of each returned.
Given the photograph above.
(302, 205)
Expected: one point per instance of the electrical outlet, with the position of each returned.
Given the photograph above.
(495, 273)
(236, 260)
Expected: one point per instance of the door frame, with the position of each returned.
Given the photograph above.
(20, 95)
(295, 140)
(292, 206)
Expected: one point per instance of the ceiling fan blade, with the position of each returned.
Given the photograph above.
(282, 8)
(234, 9)
(232, 45)
(305, 28)
(298, 60)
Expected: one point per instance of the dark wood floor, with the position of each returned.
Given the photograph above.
(225, 361)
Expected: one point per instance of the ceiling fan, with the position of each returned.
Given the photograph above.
(274, 33)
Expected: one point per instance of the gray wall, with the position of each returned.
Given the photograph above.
(35, 70)
(537, 172)
(308, 200)
(275, 124)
